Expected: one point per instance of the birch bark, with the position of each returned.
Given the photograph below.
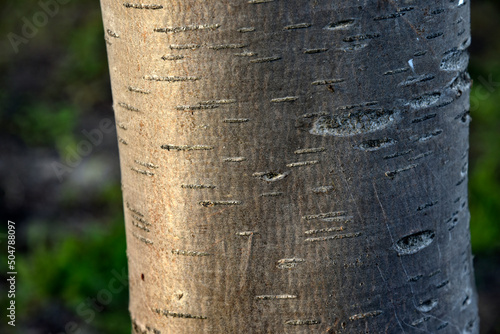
(294, 166)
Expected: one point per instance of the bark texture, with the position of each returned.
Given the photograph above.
(294, 166)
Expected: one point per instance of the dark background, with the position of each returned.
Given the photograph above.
(69, 220)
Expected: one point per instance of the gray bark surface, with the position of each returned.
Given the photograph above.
(294, 166)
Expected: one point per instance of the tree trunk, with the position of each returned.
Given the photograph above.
(294, 166)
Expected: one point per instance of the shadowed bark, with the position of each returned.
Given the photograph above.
(294, 166)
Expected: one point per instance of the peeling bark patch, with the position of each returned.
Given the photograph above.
(289, 263)
(141, 6)
(303, 322)
(376, 144)
(460, 84)
(245, 233)
(424, 101)
(270, 176)
(344, 24)
(427, 305)
(365, 315)
(179, 315)
(234, 159)
(414, 243)
(454, 60)
(354, 123)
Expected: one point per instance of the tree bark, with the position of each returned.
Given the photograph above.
(294, 166)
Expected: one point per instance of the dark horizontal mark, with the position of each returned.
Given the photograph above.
(141, 6)
(112, 33)
(343, 24)
(389, 16)
(312, 51)
(434, 35)
(227, 46)
(423, 118)
(128, 106)
(172, 57)
(170, 78)
(326, 82)
(179, 315)
(246, 29)
(397, 71)
(141, 238)
(187, 147)
(197, 186)
(236, 120)
(138, 90)
(208, 204)
(188, 28)
(143, 172)
(392, 174)
(297, 26)
(362, 37)
(266, 59)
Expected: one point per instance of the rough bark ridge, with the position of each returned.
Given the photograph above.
(294, 166)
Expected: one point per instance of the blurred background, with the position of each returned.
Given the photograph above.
(70, 251)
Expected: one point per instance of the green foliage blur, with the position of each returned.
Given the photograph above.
(58, 83)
